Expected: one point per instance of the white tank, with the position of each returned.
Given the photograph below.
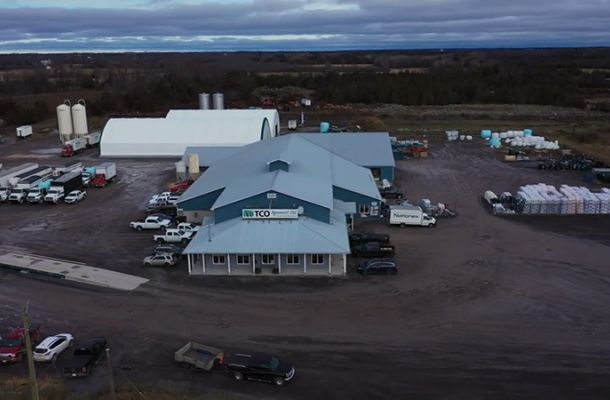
(194, 165)
(79, 118)
(64, 121)
(204, 101)
(219, 101)
(181, 170)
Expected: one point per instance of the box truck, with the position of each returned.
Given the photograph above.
(62, 186)
(410, 215)
(73, 146)
(104, 174)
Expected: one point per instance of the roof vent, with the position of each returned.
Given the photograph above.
(278, 164)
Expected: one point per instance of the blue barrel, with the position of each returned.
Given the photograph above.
(324, 127)
(45, 185)
(527, 132)
(485, 133)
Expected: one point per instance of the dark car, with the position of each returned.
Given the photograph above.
(170, 249)
(373, 249)
(85, 358)
(357, 238)
(382, 266)
(391, 193)
(259, 367)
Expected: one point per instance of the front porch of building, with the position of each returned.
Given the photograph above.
(267, 264)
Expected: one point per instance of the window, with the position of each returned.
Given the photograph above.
(363, 208)
(243, 260)
(268, 259)
(292, 259)
(317, 259)
(218, 259)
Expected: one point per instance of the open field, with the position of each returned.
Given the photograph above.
(481, 305)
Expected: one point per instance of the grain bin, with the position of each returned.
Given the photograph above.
(79, 119)
(204, 101)
(194, 166)
(64, 121)
(219, 101)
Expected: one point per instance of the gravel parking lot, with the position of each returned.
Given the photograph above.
(482, 305)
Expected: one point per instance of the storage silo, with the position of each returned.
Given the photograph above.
(79, 119)
(219, 101)
(204, 101)
(180, 171)
(193, 166)
(64, 121)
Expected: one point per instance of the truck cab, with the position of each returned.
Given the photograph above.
(4, 194)
(17, 196)
(54, 194)
(35, 196)
(12, 347)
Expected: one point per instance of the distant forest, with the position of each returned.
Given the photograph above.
(151, 83)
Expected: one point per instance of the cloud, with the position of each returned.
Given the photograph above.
(151, 25)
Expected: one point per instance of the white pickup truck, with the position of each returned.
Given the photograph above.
(151, 222)
(187, 227)
(174, 236)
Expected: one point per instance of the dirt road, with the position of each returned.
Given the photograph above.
(483, 307)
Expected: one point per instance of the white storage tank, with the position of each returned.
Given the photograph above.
(64, 121)
(204, 101)
(194, 166)
(219, 101)
(79, 119)
(180, 171)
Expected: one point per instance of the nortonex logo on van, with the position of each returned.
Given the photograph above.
(269, 213)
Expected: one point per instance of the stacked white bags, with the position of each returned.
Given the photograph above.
(539, 142)
(568, 200)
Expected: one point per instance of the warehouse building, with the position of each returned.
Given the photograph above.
(372, 150)
(277, 207)
(170, 136)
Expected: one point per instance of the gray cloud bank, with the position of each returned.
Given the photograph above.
(303, 25)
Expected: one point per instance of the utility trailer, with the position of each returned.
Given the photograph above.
(24, 131)
(200, 356)
(68, 167)
(93, 139)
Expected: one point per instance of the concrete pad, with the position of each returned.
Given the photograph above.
(71, 271)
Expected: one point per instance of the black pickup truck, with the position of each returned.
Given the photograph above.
(373, 250)
(259, 367)
(85, 358)
(365, 237)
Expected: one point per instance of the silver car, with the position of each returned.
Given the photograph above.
(160, 260)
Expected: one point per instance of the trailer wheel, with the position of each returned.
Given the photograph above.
(238, 376)
(278, 381)
(402, 225)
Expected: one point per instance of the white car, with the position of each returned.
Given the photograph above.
(50, 348)
(75, 196)
(188, 227)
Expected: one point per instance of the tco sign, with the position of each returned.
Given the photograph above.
(268, 213)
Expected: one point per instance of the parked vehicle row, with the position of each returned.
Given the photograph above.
(33, 184)
(87, 353)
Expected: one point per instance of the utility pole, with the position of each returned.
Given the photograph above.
(111, 374)
(28, 349)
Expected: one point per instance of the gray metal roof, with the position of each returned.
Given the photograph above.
(302, 236)
(368, 149)
(210, 154)
(312, 173)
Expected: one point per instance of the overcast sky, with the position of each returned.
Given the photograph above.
(211, 25)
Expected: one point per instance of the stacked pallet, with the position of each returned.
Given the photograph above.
(568, 200)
